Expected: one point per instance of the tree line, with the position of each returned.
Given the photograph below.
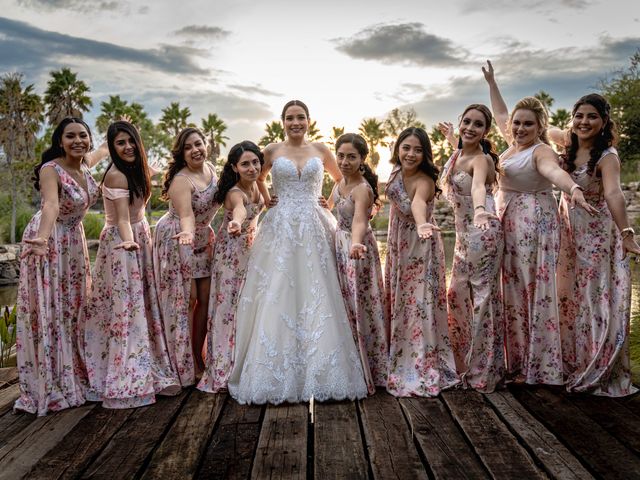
(27, 120)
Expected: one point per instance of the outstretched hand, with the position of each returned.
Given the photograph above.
(629, 245)
(36, 246)
(128, 245)
(234, 227)
(323, 202)
(184, 238)
(273, 201)
(481, 220)
(577, 198)
(357, 251)
(425, 230)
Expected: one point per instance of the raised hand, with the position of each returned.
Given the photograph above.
(447, 129)
(488, 73)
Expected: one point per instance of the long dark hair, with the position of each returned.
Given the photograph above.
(360, 144)
(229, 178)
(485, 143)
(177, 161)
(137, 173)
(427, 166)
(607, 137)
(55, 150)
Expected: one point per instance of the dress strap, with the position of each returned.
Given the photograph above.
(114, 193)
(247, 200)
(187, 177)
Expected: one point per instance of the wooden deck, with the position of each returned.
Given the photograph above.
(520, 433)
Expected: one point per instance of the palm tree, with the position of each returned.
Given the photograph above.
(336, 132)
(174, 119)
(560, 118)
(21, 113)
(274, 132)
(374, 133)
(398, 120)
(546, 99)
(313, 132)
(214, 127)
(66, 96)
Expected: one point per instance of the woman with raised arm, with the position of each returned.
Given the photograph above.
(293, 336)
(124, 346)
(474, 297)
(421, 361)
(183, 250)
(529, 214)
(55, 276)
(594, 280)
(242, 202)
(359, 271)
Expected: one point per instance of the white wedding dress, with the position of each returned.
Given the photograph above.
(293, 339)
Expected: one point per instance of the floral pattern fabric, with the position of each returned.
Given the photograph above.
(474, 296)
(230, 257)
(51, 294)
(125, 351)
(362, 287)
(174, 267)
(529, 214)
(594, 291)
(421, 360)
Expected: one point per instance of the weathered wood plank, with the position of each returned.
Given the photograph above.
(615, 418)
(127, 450)
(498, 449)
(602, 453)
(233, 446)
(22, 451)
(11, 424)
(282, 447)
(442, 444)
(178, 455)
(338, 450)
(392, 452)
(8, 396)
(554, 457)
(81, 445)
(8, 375)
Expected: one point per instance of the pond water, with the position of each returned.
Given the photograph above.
(8, 297)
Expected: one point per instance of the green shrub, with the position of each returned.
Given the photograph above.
(24, 213)
(93, 223)
(7, 335)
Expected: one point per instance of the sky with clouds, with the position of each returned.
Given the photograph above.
(243, 59)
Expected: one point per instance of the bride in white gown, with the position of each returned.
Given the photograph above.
(293, 339)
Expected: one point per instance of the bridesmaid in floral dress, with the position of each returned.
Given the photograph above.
(238, 192)
(359, 270)
(529, 214)
(421, 361)
(474, 297)
(125, 351)
(594, 280)
(182, 253)
(55, 276)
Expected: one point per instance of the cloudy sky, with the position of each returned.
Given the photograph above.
(243, 59)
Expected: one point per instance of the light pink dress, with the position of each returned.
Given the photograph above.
(529, 214)
(51, 295)
(421, 361)
(125, 351)
(174, 267)
(474, 297)
(363, 291)
(594, 291)
(230, 257)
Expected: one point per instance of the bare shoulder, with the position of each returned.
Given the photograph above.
(270, 150)
(115, 178)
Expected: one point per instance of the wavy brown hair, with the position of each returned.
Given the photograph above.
(485, 143)
(177, 161)
(427, 166)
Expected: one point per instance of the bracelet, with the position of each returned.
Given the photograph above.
(627, 230)
(479, 206)
(574, 187)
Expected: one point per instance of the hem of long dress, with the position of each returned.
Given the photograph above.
(413, 393)
(598, 391)
(32, 408)
(129, 402)
(305, 399)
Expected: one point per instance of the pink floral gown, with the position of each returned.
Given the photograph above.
(363, 291)
(125, 351)
(594, 291)
(529, 214)
(230, 258)
(421, 361)
(474, 297)
(174, 267)
(51, 295)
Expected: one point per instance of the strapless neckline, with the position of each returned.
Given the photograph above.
(299, 170)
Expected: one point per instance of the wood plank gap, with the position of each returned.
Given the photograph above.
(542, 445)
(392, 451)
(12, 423)
(179, 453)
(590, 443)
(363, 438)
(498, 449)
(8, 375)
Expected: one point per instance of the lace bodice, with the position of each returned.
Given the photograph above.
(291, 185)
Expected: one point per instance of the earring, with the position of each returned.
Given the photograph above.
(361, 168)
(459, 143)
